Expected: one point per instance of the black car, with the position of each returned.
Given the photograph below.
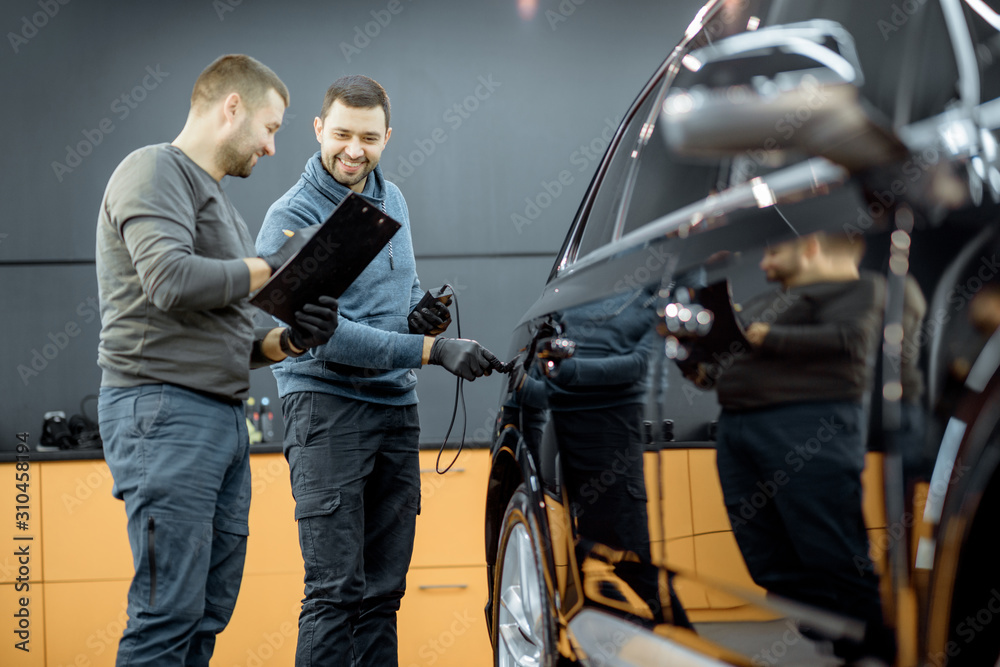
(772, 120)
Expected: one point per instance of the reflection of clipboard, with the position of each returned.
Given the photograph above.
(727, 334)
(330, 261)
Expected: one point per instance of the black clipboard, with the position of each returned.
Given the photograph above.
(350, 238)
(727, 333)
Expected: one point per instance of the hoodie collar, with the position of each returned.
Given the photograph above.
(317, 174)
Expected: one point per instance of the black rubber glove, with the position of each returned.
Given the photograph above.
(434, 319)
(315, 325)
(290, 247)
(516, 379)
(462, 357)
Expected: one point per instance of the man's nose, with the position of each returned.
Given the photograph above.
(353, 149)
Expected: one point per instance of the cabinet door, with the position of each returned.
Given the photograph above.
(84, 535)
(84, 621)
(452, 509)
(273, 545)
(441, 620)
(265, 624)
(21, 511)
(23, 614)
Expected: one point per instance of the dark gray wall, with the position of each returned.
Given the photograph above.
(85, 83)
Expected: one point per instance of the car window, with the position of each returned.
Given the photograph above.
(643, 181)
(665, 181)
(600, 224)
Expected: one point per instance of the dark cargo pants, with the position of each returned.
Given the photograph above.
(356, 480)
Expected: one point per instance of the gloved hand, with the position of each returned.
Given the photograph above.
(315, 325)
(290, 247)
(516, 379)
(435, 319)
(462, 357)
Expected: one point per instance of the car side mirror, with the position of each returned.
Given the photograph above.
(783, 89)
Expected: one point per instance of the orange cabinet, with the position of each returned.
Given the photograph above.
(79, 567)
(696, 534)
(84, 621)
(20, 522)
(452, 507)
(23, 628)
(441, 620)
(84, 535)
(273, 544)
(265, 623)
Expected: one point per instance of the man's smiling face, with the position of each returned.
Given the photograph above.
(351, 141)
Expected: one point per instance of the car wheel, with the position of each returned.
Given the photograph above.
(523, 614)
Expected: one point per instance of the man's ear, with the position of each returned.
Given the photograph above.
(810, 246)
(231, 106)
(318, 127)
(388, 133)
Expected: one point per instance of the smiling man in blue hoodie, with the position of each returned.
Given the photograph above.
(351, 427)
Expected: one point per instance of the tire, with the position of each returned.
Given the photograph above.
(523, 614)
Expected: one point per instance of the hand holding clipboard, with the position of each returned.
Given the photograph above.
(330, 260)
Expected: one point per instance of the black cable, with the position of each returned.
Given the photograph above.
(459, 391)
(86, 430)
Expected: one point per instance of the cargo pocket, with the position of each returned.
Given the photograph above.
(316, 503)
(331, 535)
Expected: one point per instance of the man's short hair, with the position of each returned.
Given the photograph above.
(839, 243)
(358, 91)
(236, 73)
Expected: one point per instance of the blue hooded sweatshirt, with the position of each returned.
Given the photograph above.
(371, 355)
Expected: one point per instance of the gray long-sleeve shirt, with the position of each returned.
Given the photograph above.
(820, 347)
(172, 280)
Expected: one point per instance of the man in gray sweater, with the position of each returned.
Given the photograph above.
(792, 432)
(175, 265)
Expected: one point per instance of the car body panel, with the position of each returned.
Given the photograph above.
(659, 221)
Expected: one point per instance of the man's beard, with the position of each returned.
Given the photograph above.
(331, 164)
(233, 156)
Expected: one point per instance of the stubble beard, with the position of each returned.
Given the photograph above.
(234, 157)
(348, 180)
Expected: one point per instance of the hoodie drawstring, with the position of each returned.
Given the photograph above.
(392, 265)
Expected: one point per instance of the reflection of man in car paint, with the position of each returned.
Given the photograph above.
(793, 423)
(595, 401)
